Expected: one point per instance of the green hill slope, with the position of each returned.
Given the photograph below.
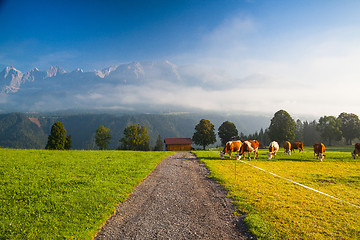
(17, 131)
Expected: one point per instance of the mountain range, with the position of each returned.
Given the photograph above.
(14, 81)
(109, 88)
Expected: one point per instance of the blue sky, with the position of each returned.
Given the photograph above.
(94, 33)
(301, 56)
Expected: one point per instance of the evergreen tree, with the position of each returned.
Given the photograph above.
(135, 138)
(263, 138)
(102, 137)
(310, 133)
(57, 137)
(227, 131)
(204, 133)
(159, 144)
(68, 142)
(282, 127)
(299, 129)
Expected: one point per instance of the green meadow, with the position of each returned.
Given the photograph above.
(66, 194)
(70, 194)
(279, 209)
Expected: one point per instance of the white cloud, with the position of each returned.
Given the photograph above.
(314, 74)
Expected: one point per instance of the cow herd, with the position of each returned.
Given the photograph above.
(249, 146)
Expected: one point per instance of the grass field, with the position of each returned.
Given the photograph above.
(66, 194)
(279, 209)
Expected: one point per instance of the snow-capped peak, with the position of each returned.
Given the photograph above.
(12, 79)
(13, 72)
(105, 72)
(54, 70)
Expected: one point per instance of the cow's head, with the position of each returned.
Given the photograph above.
(321, 157)
(238, 156)
(269, 155)
(222, 154)
(288, 152)
(353, 154)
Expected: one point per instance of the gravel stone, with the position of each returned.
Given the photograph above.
(176, 201)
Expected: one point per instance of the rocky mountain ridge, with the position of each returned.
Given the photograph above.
(13, 80)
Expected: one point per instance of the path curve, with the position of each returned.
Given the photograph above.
(176, 201)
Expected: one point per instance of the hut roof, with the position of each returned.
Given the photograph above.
(177, 141)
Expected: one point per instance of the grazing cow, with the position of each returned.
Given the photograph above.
(287, 148)
(297, 145)
(230, 147)
(273, 148)
(248, 146)
(319, 150)
(356, 150)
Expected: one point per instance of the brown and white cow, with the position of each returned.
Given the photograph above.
(319, 150)
(297, 145)
(273, 148)
(230, 147)
(248, 146)
(287, 148)
(356, 150)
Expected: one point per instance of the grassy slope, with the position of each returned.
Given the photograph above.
(66, 194)
(278, 209)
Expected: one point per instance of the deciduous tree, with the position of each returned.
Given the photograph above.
(102, 137)
(204, 133)
(350, 126)
(227, 131)
(135, 138)
(329, 128)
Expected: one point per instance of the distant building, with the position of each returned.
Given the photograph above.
(178, 144)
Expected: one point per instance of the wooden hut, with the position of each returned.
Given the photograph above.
(178, 144)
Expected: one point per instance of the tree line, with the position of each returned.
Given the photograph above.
(135, 138)
(328, 129)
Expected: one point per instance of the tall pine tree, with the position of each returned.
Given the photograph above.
(57, 139)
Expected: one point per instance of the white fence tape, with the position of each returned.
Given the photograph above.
(301, 184)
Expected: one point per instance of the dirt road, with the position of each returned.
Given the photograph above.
(176, 201)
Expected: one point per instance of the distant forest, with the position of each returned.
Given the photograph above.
(305, 132)
(330, 130)
(30, 131)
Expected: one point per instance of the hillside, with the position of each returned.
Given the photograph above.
(17, 131)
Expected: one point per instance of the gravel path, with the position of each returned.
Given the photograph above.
(176, 201)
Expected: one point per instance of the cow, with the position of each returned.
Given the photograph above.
(319, 150)
(248, 146)
(273, 148)
(287, 148)
(230, 147)
(356, 150)
(297, 145)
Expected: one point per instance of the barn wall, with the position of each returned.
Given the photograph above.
(179, 147)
